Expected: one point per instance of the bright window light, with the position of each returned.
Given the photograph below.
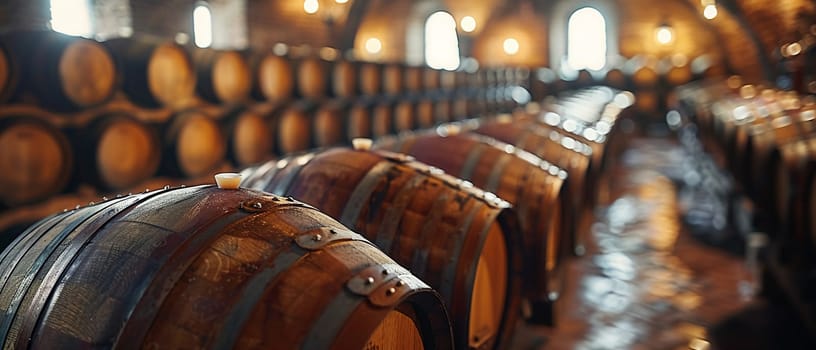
(441, 42)
(710, 11)
(202, 26)
(72, 17)
(468, 24)
(511, 46)
(586, 39)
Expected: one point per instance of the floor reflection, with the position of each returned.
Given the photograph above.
(645, 283)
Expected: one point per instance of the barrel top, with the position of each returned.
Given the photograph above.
(171, 76)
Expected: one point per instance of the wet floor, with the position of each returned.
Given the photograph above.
(647, 283)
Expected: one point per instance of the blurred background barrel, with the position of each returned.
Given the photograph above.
(60, 72)
(222, 76)
(274, 79)
(250, 135)
(194, 144)
(461, 240)
(137, 271)
(154, 73)
(35, 155)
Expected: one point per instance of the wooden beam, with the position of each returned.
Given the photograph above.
(355, 17)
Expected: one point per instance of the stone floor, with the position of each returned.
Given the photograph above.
(647, 283)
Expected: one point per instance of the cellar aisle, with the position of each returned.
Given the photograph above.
(647, 283)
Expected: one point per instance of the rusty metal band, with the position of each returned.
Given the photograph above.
(496, 173)
(471, 161)
(363, 190)
(393, 217)
(281, 188)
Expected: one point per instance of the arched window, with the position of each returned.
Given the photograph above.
(586, 39)
(441, 42)
(202, 26)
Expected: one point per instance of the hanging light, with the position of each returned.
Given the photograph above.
(311, 6)
(710, 11)
(664, 33)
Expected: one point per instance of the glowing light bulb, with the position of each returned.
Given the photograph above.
(664, 35)
(373, 45)
(311, 6)
(468, 24)
(710, 11)
(511, 46)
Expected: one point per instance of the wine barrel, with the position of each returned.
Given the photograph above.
(222, 76)
(359, 121)
(531, 185)
(426, 113)
(63, 73)
(447, 80)
(194, 144)
(443, 110)
(154, 73)
(616, 79)
(311, 78)
(120, 150)
(413, 79)
(329, 125)
(294, 129)
(250, 135)
(563, 151)
(393, 79)
(405, 118)
(344, 79)
(204, 267)
(370, 78)
(8, 78)
(36, 157)
(461, 241)
(431, 79)
(678, 75)
(382, 119)
(274, 78)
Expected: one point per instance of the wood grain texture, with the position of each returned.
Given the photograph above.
(202, 267)
(421, 218)
(519, 177)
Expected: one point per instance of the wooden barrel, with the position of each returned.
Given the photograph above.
(204, 267)
(393, 79)
(222, 76)
(616, 79)
(329, 128)
(413, 79)
(431, 79)
(678, 75)
(119, 151)
(154, 73)
(274, 78)
(405, 118)
(426, 113)
(443, 109)
(359, 121)
(36, 157)
(370, 78)
(453, 238)
(382, 119)
(312, 78)
(447, 80)
(63, 73)
(250, 136)
(564, 152)
(531, 185)
(194, 144)
(294, 129)
(344, 79)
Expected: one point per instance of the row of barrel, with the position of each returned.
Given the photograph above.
(65, 73)
(767, 139)
(117, 146)
(210, 267)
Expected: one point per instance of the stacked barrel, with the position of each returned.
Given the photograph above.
(440, 238)
(765, 137)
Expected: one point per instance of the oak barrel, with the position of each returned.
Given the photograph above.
(194, 144)
(154, 73)
(413, 79)
(274, 78)
(223, 76)
(563, 151)
(645, 82)
(250, 135)
(533, 186)
(312, 78)
(35, 155)
(370, 78)
(382, 119)
(64, 73)
(119, 151)
(405, 116)
(460, 240)
(393, 79)
(359, 120)
(344, 79)
(203, 267)
(431, 79)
